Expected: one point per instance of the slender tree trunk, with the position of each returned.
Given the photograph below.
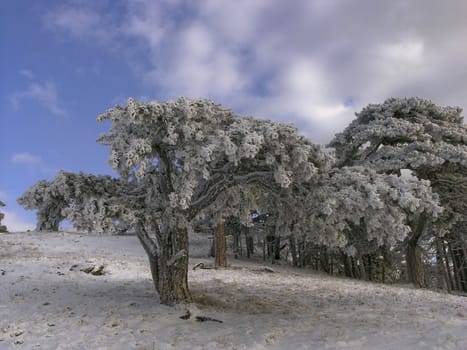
(370, 267)
(459, 262)
(237, 241)
(415, 270)
(347, 264)
(270, 244)
(361, 267)
(448, 267)
(442, 278)
(356, 270)
(293, 250)
(220, 259)
(324, 259)
(455, 267)
(168, 260)
(277, 247)
(250, 246)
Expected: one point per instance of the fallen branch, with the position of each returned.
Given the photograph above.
(205, 318)
(202, 266)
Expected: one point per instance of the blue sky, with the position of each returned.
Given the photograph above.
(313, 63)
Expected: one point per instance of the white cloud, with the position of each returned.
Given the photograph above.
(407, 51)
(15, 223)
(82, 23)
(299, 61)
(45, 94)
(26, 158)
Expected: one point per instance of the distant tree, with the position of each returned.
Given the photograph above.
(3, 228)
(428, 140)
(354, 209)
(186, 155)
(49, 201)
(89, 202)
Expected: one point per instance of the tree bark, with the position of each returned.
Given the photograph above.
(277, 247)
(220, 259)
(442, 277)
(250, 247)
(415, 271)
(347, 264)
(293, 250)
(455, 267)
(448, 268)
(237, 243)
(168, 260)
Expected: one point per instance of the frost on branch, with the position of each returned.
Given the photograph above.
(415, 134)
(355, 199)
(409, 133)
(194, 149)
(89, 202)
(190, 158)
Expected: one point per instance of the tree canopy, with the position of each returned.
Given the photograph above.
(185, 163)
(89, 202)
(186, 154)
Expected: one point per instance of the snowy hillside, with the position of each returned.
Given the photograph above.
(76, 291)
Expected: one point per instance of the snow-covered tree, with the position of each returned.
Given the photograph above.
(380, 206)
(417, 135)
(187, 153)
(3, 228)
(89, 202)
(354, 209)
(94, 203)
(49, 201)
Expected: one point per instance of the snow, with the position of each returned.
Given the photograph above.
(47, 302)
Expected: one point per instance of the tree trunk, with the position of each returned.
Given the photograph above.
(250, 246)
(236, 242)
(459, 263)
(448, 268)
(323, 259)
(415, 271)
(442, 277)
(355, 270)
(270, 244)
(277, 247)
(293, 250)
(455, 267)
(168, 260)
(347, 264)
(220, 259)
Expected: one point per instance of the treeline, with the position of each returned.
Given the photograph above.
(443, 258)
(384, 202)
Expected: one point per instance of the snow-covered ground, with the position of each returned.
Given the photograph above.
(47, 302)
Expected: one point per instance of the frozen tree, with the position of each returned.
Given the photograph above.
(2, 227)
(185, 155)
(354, 209)
(89, 202)
(417, 135)
(378, 206)
(94, 203)
(49, 201)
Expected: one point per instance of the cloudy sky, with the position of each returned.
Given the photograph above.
(313, 63)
